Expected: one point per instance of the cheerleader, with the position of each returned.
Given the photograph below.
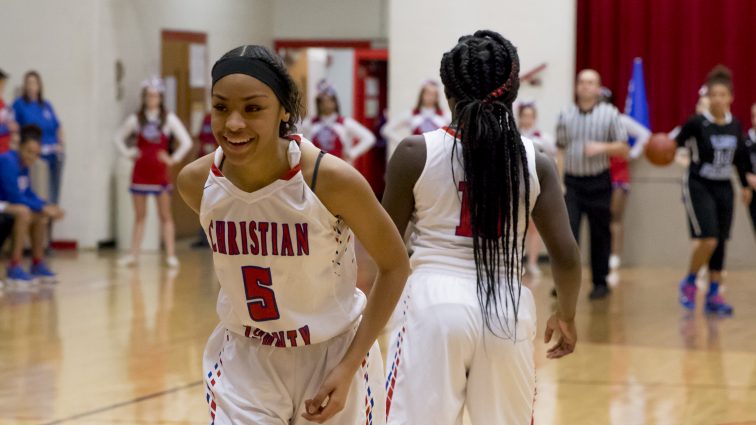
(544, 142)
(334, 133)
(426, 116)
(153, 126)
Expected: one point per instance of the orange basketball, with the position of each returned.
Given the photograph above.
(660, 149)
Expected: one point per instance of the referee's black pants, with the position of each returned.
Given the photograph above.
(592, 196)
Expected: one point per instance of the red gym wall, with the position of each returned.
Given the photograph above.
(679, 41)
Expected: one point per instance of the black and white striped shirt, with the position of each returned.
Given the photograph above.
(575, 128)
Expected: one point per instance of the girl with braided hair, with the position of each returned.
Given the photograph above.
(468, 323)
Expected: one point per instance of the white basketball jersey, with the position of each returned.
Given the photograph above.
(286, 265)
(442, 235)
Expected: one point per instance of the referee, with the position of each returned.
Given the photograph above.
(588, 133)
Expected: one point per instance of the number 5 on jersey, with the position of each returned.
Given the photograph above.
(261, 300)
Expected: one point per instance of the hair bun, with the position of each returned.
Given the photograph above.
(720, 73)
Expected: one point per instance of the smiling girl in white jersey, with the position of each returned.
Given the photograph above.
(296, 341)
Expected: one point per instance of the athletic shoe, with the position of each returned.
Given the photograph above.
(715, 304)
(18, 275)
(688, 295)
(613, 279)
(599, 292)
(127, 260)
(43, 273)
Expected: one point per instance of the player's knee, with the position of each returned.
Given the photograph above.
(23, 214)
(708, 243)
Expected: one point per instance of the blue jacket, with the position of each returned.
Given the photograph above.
(39, 114)
(15, 186)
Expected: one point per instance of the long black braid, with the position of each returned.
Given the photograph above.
(481, 73)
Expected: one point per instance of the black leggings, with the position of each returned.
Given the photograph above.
(716, 262)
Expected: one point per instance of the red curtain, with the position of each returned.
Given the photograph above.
(680, 41)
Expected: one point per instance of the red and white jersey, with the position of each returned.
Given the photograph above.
(425, 120)
(339, 136)
(286, 265)
(442, 237)
(207, 142)
(417, 121)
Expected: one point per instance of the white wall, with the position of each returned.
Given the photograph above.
(330, 19)
(74, 45)
(421, 31)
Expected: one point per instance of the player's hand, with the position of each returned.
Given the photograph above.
(682, 157)
(332, 396)
(165, 158)
(567, 337)
(594, 148)
(747, 193)
(751, 180)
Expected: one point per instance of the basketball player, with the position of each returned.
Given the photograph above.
(426, 116)
(751, 146)
(340, 136)
(543, 142)
(469, 324)
(716, 145)
(296, 341)
(31, 214)
(153, 126)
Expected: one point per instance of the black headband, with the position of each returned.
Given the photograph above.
(256, 68)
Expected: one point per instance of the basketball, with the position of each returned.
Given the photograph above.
(660, 149)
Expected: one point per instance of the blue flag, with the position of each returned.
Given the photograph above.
(636, 105)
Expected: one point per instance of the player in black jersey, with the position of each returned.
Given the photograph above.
(750, 142)
(715, 141)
